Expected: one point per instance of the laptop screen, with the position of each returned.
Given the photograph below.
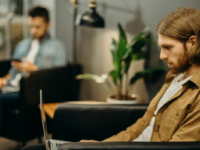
(44, 125)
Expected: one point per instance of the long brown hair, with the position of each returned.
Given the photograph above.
(180, 25)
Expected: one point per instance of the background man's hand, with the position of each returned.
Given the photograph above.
(24, 66)
(3, 82)
(88, 141)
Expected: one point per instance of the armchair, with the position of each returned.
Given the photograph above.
(23, 122)
(73, 122)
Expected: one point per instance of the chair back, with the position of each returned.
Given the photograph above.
(73, 122)
(57, 85)
(5, 66)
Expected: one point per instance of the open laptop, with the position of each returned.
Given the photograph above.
(50, 144)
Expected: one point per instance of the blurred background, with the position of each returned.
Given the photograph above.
(93, 44)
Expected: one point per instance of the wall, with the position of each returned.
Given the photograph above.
(50, 5)
(93, 44)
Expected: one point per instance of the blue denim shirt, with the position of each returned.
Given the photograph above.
(51, 53)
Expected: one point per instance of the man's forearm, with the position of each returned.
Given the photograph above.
(130, 133)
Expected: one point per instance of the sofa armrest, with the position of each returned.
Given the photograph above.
(73, 122)
(131, 146)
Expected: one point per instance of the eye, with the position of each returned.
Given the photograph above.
(167, 47)
(37, 27)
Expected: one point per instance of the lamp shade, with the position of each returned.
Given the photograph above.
(91, 19)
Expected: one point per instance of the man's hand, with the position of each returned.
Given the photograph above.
(88, 141)
(24, 66)
(3, 82)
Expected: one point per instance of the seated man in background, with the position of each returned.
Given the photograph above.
(174, 113)
(40, 51)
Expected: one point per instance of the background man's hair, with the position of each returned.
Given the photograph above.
(39, 12)
(180, 25)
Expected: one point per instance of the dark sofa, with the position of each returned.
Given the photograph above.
(73, 122)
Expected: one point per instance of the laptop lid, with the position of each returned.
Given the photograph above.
(44, 125)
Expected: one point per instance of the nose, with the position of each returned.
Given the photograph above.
(163, 55)
(33, 30)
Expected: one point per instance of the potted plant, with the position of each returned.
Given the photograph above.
(123, 53)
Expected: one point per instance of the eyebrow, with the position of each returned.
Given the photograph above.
(165, 45)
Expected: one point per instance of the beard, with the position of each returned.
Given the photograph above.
(40, 36)
(182, 65)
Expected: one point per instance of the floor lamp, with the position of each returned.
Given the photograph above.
(90, 19)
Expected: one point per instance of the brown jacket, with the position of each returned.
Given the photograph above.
(177, 120)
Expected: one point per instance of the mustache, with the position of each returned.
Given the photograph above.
(168, 62)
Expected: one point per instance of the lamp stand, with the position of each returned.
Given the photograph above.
(74, 47)
(75, 6)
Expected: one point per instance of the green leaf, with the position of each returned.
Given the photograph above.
(127, 59)
(119, 53)
(154, 43)
(128, 53)
(140, 55)
(97, 78)
(146, 29)
(141, 34)
(113, 49)
(122, 34)
(134, 50)
(141, 43)
(121, 49)
(143, 74)
(127, 63)
(114, 45)
(114, 76)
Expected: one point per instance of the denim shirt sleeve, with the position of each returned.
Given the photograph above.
(20, 51)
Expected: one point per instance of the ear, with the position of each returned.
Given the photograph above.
(191, 43)
(48, 25)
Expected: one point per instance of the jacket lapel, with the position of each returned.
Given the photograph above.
(177, 94)
(168, 81)
(157, 98)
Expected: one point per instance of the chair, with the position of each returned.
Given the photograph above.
(73, 122)
(23, 122)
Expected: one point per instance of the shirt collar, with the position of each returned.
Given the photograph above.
(44, 38)
(195, 78)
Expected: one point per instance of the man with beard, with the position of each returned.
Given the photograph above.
(38, 52)
(174, 113)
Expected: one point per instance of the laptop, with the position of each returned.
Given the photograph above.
(50, 144)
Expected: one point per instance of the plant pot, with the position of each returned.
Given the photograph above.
(135, 99)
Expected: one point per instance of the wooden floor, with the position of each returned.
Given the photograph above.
(7, 144)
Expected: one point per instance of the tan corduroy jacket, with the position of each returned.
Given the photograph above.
(177, 120)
